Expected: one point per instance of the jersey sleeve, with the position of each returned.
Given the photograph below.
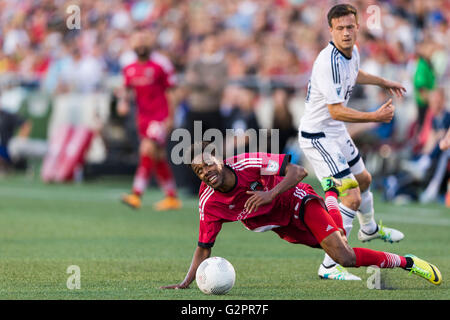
(210, 224)
(126, 77)
(274, 164)
(208, 232)
(329, 79)
(168, 70)
(260, 163)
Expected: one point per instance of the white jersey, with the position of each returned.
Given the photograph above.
(332, 80)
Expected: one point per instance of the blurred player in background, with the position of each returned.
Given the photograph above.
(147, 81)
(324, 138)
(264, 192)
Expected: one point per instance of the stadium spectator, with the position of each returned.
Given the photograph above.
(204, 85)
(16, 147)
(444, 144)
(282, 116)
(432, 156)
(424, 80)
(205, 81)
(241, 118)
(9, 124)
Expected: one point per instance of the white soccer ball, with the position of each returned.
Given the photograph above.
(215, 275)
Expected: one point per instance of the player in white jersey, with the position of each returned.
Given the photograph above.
(323, 136)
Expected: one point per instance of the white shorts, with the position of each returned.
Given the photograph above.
(331, 154)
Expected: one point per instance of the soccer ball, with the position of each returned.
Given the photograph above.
(215, 275)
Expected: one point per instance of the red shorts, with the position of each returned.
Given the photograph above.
(155, 130)
(310, 226)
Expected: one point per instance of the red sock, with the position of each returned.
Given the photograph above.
(367, 257)
(331, 201)
(165, 177)
(142, 174)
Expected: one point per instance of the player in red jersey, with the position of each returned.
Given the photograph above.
(264, 192)
(147, 82)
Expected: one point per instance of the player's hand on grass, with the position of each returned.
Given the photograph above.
(394, 88)
(175, 286)
(258, 198)
(386, 112)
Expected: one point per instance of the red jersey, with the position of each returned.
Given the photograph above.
(150, 82)
(253, 171)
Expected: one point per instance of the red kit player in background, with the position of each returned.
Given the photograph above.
(147, 81)
(264, 192)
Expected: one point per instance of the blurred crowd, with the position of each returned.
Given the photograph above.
(262, 38)
(267, 46)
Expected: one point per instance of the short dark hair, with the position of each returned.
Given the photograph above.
(201, 147)
(341, 10)
(196, 148)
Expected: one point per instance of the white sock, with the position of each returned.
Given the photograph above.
(347, 218)
(365, 214)
(328, 262)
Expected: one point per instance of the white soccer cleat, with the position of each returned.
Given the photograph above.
(336, 272)
(383, 233)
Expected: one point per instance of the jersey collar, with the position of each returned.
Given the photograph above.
(343, 54)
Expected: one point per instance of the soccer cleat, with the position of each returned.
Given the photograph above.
(168, 203)
(132, 200)
(336, 272)
(341, 185)
(425, 270)
(383, 233)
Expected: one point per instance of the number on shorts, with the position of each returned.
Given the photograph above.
(349, 142)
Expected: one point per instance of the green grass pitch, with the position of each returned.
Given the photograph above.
(127, 254)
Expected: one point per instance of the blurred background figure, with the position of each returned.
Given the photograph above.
(425, 177)
(18, 148)
(240, 117)
(10, 123)
(145, 84)
(444, 144)
(424, 83)
(204, 84)
(431, 165)
(282, 117)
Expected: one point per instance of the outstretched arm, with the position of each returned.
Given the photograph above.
(394, 88)
(342, 113)
(200, 255)
(293, 175)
